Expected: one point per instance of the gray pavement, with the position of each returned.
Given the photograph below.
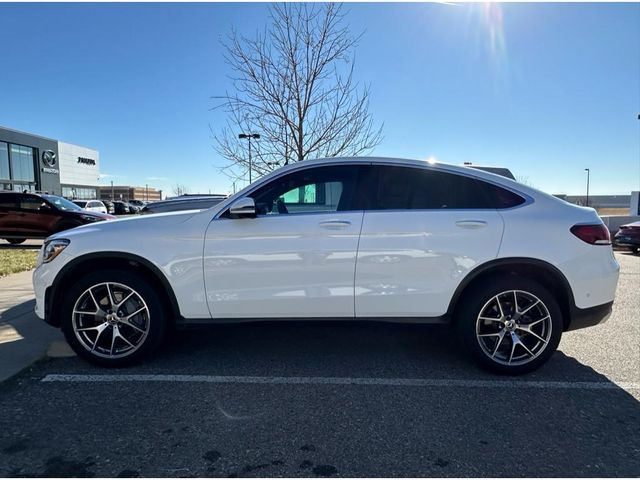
(333, 399)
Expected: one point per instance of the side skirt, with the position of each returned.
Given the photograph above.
(201, 322)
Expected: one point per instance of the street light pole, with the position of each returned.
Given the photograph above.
(249, 136)
(112, 197)
(587, 170)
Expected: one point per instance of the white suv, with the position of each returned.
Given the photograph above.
(363, 238)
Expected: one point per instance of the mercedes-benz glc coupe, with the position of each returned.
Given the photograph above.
(510, 267)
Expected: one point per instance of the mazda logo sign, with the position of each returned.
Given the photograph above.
(49, 158)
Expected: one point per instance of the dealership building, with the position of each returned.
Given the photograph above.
(39, 164)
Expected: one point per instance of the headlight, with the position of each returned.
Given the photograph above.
(90, 218)
(53, 248)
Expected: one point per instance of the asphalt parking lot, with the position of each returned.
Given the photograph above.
(333, 399)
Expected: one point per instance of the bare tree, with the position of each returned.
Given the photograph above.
(525, 181)
(293, 84)
(179, 189)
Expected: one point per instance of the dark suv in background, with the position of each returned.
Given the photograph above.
(29, 215)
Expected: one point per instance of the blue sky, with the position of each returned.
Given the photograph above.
(544, 89)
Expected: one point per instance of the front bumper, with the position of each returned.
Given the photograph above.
(43, 277)
(588, 317)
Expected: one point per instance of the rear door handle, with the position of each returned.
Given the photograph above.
(471, 224)
(335, 224)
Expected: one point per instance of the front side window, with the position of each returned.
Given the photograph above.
(313, 190)
(31, 203)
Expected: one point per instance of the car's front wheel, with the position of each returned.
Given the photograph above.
(510, 325)
(113, 318)
(15, 241)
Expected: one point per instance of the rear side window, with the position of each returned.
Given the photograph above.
(421, 189)
(8, 200)
(501, 197)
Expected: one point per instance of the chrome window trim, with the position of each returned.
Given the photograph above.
(528, 200)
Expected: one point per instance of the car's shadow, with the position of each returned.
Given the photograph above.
(335, 349)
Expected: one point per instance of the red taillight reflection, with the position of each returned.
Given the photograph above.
(596, 234)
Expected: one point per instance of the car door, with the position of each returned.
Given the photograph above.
(425, 230)
(296, 258)
(37, 216)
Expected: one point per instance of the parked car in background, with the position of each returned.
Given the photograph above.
(91, 205)
(137, 203)
(510, 267)
(182, 203)
(29, 215)
(133, 208)
(121, 208)
(628, 236)
(110, 208)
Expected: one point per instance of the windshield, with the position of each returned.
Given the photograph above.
(61, 203)
(80, 203)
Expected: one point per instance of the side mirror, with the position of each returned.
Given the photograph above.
(243, 208)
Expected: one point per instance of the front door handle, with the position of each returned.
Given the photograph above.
(335, 224)
(471, 224)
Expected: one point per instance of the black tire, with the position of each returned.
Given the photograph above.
(481, 299)
(15, 241)
(154, 320)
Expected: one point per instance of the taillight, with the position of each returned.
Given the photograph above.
(596, 234)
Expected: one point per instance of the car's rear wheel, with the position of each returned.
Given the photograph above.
(15, 241)
(510, 325)
(113, 318)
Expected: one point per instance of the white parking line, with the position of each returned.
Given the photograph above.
(402, 382)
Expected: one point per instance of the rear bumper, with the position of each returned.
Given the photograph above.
(588, 317)
(626, 242)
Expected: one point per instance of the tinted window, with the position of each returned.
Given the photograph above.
(8, 200)
(416, 188)
(320, 189)
(500, 197)
(31, 203)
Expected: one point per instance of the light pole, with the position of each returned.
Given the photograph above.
(249, 136)
(587, 170)
(112, 197)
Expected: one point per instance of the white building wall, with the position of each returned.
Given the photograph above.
(73, 169)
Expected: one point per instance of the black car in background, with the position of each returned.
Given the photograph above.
(110, 208)
(121, 208)
(138, 203)
(30, 215)
(628, 236)
(183, 203)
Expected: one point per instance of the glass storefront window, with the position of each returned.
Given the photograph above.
(79, 193)
(4, 161)
(22, 164)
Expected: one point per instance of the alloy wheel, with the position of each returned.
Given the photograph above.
(513, 327)
(111, 320)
